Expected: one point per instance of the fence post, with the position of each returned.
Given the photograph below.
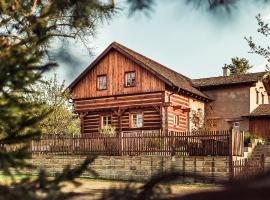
(231, 142)
(120, 149)
(231, 168)
(262, 163)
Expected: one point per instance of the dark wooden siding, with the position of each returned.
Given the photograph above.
(260, 126)
(114, 65)
(149, 104)
(177, 100)
(151, 120)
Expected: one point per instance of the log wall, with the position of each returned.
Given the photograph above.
(148, 104)
(177, 100)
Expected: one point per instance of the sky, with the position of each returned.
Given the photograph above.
(191, 41)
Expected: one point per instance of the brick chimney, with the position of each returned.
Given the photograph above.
(226, 71)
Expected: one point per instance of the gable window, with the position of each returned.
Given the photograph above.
(257, 97)
(102, 82)
(176, 120)
(262, 98)
(236, 125)
(106, 120)
(130, 79)
(136, 120)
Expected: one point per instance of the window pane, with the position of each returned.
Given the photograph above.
(103, 121)
(109, 120)
(139, 120)
(257, 97)
(130, 79)
(102, 82)
(134, 120)
(106, 120)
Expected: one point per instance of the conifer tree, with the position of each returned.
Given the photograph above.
(28, 30)
(239, 66)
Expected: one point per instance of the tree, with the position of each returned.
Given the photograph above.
(209, 5)
(28, 28)
(258, 49)
(55, 99)
(239, 66)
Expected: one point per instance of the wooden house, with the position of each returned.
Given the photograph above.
(129, 91)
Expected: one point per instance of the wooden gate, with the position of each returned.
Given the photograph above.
(247, 168)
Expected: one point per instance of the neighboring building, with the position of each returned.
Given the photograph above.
(129, 91)
(259, 122)
(234, 97)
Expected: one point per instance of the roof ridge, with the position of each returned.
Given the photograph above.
(248, 74)
(177, 74)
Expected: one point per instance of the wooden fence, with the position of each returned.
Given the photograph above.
(247, 167)
(213, 143)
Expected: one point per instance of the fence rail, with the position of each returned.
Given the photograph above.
(211, 143)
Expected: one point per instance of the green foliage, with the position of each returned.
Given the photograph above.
(107, 131)
(197, 120)
(54, 97)
(258, 49)
(239, 66)
(247, 139)
(28, 29)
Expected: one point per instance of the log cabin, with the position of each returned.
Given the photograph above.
(129, 91)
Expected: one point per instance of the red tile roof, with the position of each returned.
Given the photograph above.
(228, 80)
(262, 110)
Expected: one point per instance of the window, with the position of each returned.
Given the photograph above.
(176, 120)
(257, 97)
(102, 82)
(106, 120)
(236, 125)
(136, 120)
(130, 79)
(262, 98)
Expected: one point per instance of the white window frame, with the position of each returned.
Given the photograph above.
(102, 82)
(176, 120)
(106, 119)
(136, 117)
(130, 81)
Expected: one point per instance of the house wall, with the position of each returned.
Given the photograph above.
(260, 126)
(197, 108)
(114, 65)
(229, 104)
(173, 100)
(261, 89)
(149, 104)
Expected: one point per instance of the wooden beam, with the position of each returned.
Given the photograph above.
(157, 108)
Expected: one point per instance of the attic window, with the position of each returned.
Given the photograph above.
(130, 79)
(257, 97)
(102, 82)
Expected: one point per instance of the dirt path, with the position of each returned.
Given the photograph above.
(92, 189)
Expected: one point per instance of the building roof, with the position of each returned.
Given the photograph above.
(262, 110)
(169, 76)
(228, 80)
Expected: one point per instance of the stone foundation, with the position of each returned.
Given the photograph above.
(140, 168)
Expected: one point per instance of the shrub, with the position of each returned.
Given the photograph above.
(108, 131)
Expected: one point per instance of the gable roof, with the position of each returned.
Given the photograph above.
(228, 80)
(167, 75)
(262, 110)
